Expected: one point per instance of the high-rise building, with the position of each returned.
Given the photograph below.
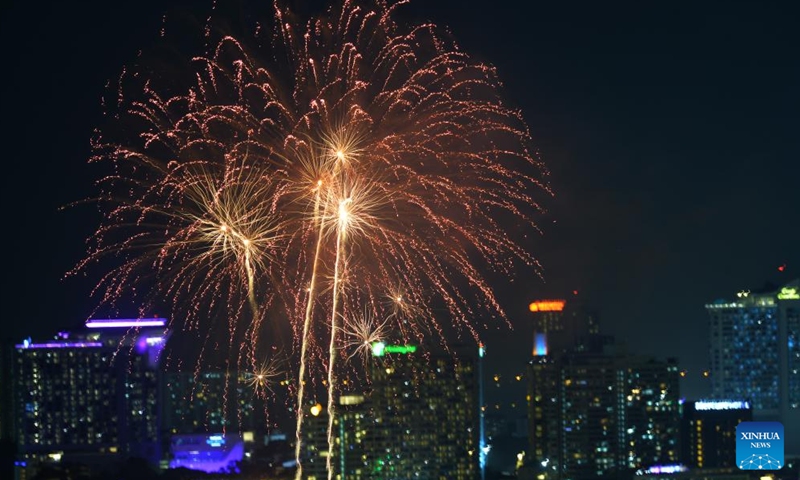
(651, 411)
(545, 423)
(708, 432)
(89, 393)
(755, 354)
(209, 402)
(351, 436)
(426, 419)
(601, 415)
(215, 420)
(561, 325)
(351, 429)
(6, 414)
(419, 419)
(315, 443)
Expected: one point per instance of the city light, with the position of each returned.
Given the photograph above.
(721, 405)
(724, 305)
(215, 440)
(206, 453)
(380, 349)
(126, 323)
(28, 345)
(540, 345)
(377, 349)
(351, 399)
(665, 469)
(789, 293)
(547, 306)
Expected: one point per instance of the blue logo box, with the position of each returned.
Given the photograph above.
(759, 446)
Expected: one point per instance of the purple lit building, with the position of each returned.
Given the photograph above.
(89, 395)
(216, 453)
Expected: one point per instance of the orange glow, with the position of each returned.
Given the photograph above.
(547, 306)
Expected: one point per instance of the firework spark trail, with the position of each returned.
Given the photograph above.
(341, 232)
(364, 159)
(305, 333)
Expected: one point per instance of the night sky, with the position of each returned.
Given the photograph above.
(671, 130)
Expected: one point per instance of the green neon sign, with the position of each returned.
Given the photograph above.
(380, 349)
(789, 293)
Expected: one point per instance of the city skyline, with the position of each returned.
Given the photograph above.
(621, 411)
(660, 159)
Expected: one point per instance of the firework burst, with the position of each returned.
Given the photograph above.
(309, 174)
(361, 332)
(263, 377)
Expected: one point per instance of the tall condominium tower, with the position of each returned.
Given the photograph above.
(91, 392)
(419, 419)
(426, 414)
(755, 354)
(561, 325)
(597, 415)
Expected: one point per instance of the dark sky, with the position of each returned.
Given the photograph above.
(670, 128)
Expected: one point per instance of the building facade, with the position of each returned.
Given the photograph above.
(426, 419)
(209, 402)
(708, 432)
(419, 419)
(561, 325)
(755, 354)
(596, 415)
(91, 394)
(352, 434)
